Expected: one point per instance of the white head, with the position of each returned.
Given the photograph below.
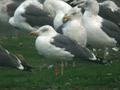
(74, 13)
(46, 30)
(91, 6)
(110, 4)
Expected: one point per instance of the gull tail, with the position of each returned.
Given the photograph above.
(28, 68)
(101, 60)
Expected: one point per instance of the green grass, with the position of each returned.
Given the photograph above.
(84, 76)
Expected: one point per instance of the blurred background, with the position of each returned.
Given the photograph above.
(8, 31)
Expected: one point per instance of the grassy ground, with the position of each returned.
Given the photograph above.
(84, 76)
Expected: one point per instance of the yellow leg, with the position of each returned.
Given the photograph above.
(62, 68)
(105, 53)
(96, 52)
(73, 63)
(66, 64)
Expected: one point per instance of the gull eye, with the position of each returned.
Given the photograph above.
(44, 30)
(73, 13)
(65, 14)
(48, 14)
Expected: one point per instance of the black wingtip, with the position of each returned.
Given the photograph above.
(28, 68)
(100, 60)
(103, 61)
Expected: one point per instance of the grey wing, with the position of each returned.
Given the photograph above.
(71, 46)
(117, 13)
(14, 61)
(111, 30)
(107, 14)
(4, 57)
(36, 16)
(7, 59)
(119, 10)
(59, 29)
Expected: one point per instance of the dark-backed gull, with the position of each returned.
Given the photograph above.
(8, 59)
(73, 27)
(29, 16)
(101, 33)
(59, 47)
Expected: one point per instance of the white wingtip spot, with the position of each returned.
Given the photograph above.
(115, 49)
(20, 67)
(93, 58)
(7, 51)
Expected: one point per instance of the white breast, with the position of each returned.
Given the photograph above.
(50, 51)
(76, 31)
(58, 19)
(95, 35)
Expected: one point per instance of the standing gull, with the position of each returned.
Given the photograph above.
(29, 16)
(101, 33)
(56, 9)
(59, 47)
(73, 28)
